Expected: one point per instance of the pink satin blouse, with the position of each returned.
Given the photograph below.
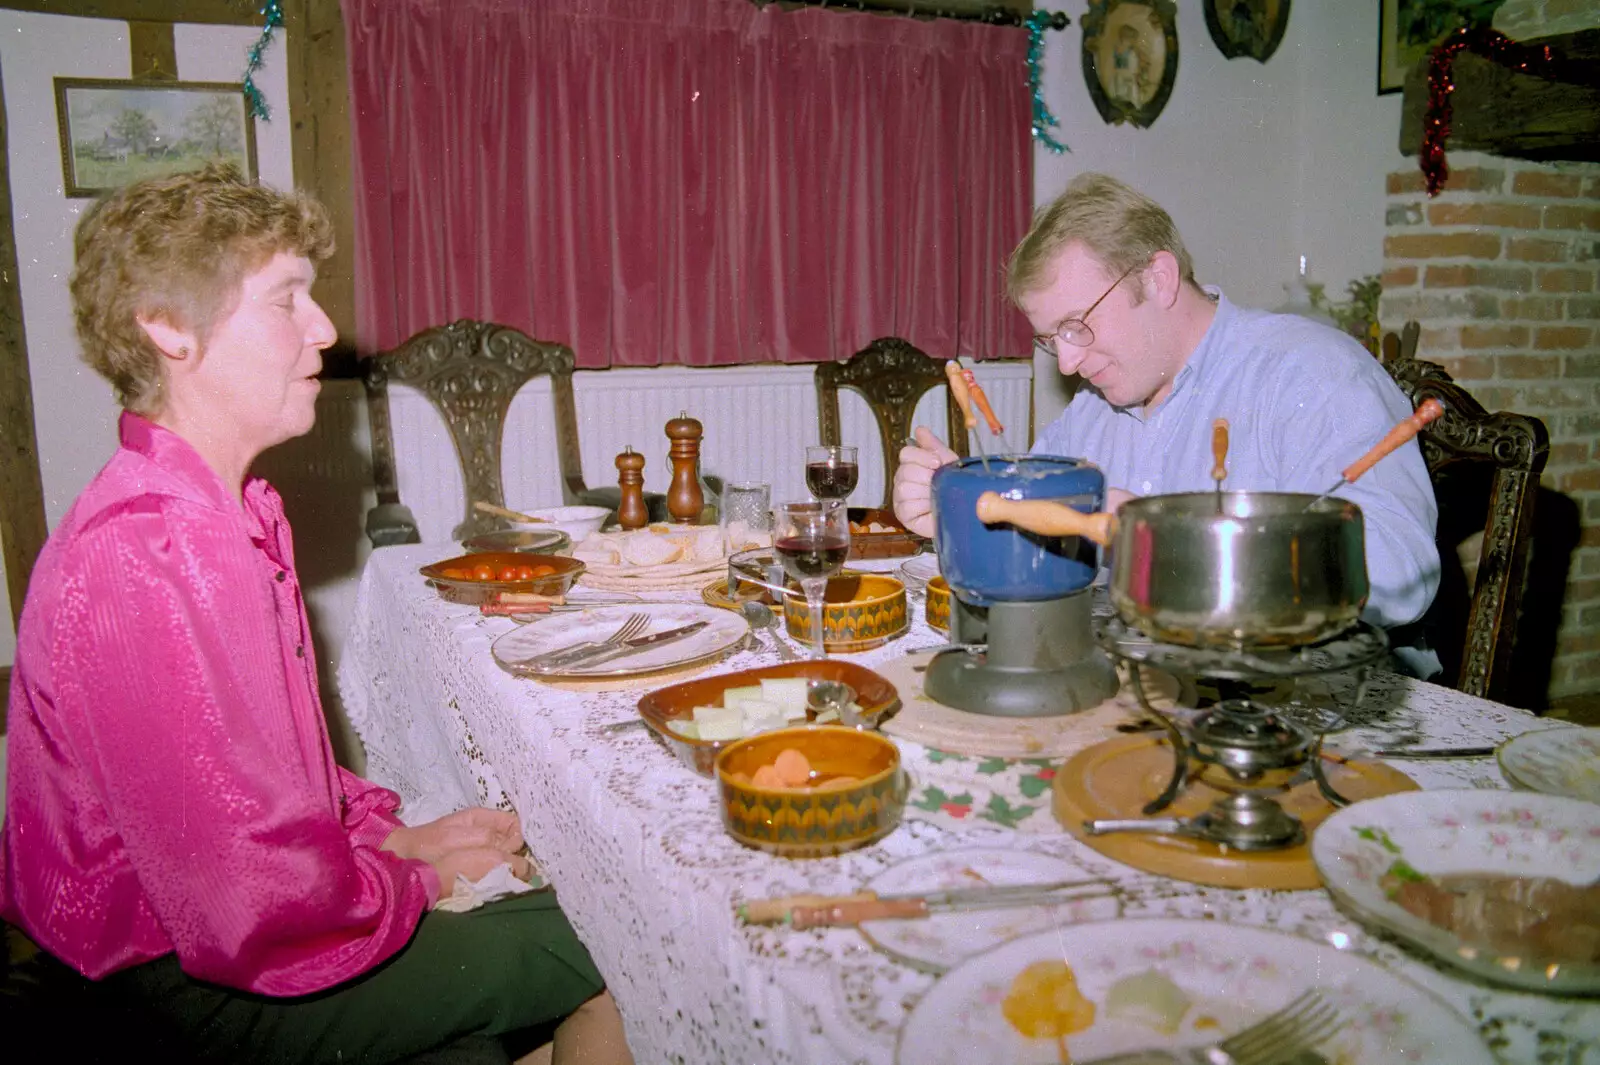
(170, 782)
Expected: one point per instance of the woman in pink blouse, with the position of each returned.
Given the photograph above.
(176, 828)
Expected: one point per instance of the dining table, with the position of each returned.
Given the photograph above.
(632, 839)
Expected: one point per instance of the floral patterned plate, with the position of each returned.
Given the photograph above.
(1173, 984)
(937, 942)
(1557, 761)
(1437, 833)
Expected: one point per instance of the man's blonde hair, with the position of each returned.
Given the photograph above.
(1119, 225)
(177, 249)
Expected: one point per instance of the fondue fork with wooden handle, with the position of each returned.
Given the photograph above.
(1429, 411)
(1219, 456)
(963, 398)
(1046, 517)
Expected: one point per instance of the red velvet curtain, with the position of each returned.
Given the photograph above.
(690, 182)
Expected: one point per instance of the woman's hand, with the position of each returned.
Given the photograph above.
(913, 492)
(470, 842)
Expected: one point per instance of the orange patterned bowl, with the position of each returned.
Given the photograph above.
(937, 606)
(860, 611)
(858, 794)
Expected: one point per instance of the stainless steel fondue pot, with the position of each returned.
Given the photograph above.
(1239, 569)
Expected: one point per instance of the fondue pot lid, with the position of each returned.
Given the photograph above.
(1251, 730)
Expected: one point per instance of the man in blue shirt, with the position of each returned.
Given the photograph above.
(1111, 292)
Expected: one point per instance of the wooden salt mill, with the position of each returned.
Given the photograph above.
(684, 497)
(631, 511)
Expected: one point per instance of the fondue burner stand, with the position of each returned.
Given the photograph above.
(1246, 749)
(1023, 659)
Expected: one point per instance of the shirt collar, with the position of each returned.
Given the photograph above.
(1194, 368)
(262, 510)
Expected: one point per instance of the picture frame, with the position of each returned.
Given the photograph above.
(1247, 28)
(117, 131)
(1130, 58)
(1409, 29)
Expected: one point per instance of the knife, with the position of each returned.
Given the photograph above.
(598, 655)
(813, 911)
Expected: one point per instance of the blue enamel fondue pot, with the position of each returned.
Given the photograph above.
(999, 563)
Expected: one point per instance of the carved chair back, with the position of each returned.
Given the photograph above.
(1485, 471)
(891, 375)
(470, 370)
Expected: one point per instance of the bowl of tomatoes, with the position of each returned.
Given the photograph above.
(479, 578)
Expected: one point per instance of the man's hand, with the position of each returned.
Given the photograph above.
(470, 842)
(913, 494)
(1115, 497)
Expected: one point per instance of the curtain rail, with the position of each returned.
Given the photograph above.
(992, 15)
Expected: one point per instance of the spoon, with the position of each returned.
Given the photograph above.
(761, 616)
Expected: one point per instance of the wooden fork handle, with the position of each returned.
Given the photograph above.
(981, 401)
(960, 393)
(1430, 411)
(1219, 450)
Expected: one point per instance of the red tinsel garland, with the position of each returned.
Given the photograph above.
(1539, 60)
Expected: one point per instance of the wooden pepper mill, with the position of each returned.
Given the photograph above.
(631, 512)
(684, 497)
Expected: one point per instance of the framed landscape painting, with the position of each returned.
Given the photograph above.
(115, 132)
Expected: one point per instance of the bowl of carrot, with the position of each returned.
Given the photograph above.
(811, 792)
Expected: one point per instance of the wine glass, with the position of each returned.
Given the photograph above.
(812, 538)
(831, 470)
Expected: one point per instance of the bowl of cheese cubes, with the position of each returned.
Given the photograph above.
(699, 717)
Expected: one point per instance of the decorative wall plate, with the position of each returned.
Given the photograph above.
(1130, 58)
(1247, 28)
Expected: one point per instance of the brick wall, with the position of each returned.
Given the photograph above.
(1500, 270)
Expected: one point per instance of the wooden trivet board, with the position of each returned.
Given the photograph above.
(945, 728)
(1116, 778)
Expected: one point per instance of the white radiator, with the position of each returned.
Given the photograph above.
(757, 421)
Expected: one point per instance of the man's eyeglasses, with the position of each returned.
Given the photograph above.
(1076, 331)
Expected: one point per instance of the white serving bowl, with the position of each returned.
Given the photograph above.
(576, 522)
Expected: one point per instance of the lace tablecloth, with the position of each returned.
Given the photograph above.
(634, 844)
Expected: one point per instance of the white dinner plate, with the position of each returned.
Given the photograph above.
(723, 631)
(941, 940)
(1227, 978)
(1555, 761)
(1438, 833)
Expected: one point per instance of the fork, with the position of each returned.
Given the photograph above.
(1274, 1040)
(633, 626)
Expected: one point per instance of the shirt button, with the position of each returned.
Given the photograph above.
(280, 576)
(300, 651)
(1145, 488)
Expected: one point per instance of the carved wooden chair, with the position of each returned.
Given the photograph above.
(1485, 471)
(470, 370)
(891, 375)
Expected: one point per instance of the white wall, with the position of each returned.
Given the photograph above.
(74, 413)
(1257, 163)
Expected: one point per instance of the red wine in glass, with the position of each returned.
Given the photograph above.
(805, 556)
(832, 480)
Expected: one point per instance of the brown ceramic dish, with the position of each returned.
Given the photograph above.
(895, 543)
(860, 611)
(937, 606)
(876, 697)
(471, 591)
(818, 821)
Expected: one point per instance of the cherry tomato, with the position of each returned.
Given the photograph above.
(507, 573)
(525, 573)
(543, 570)
(483, 572)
